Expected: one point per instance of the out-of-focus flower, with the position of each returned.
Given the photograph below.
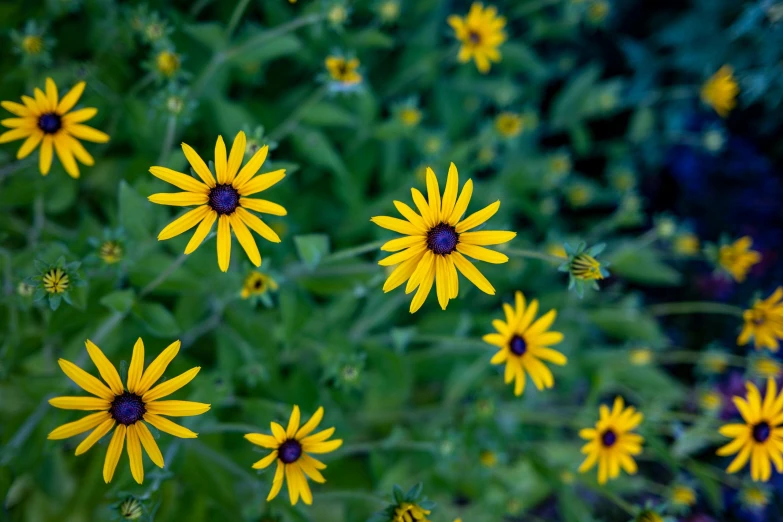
(130, 509)
(764, 322)
(721, 90)
(611, 444)
(686, 244)
(337, 15)
(579, 194)
(49, 121)
(406, 507)
(622, 179)
(408, 112)
(641, 356)
(33, 44)
(167, 63)
(508, 124)
(524, 343)
(55, 281)
(765, 367)
(583, 268)
(24, 289)
(343, 73)
(737, 258)
(755, 497)
(488, 458)
(481, 33)
(710, 401)
(597, 11)
(257, 284)
(682, 496)
(755, 435)
(388, 10)
(110, 252)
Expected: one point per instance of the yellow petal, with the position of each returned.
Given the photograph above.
(441, 282)
(220, 161)
(293, 422)
(278, 432)
(433, 194)
(425, 285)
(66, 157)
(251, 167)
(169, 427)
(77, 149)
(304, 488)
(96, 435)
(134, 454)
(258, 226)
(482, 254)
(402, 243)
(201, 232)
(311, 424)
(83, 132)
(29, 145)
(472, 273)
(16, 134)
(80, 426)
(477, 218)
(179, 180)
(317, 437)
(78, 116)
(245, 239)
(411, 215)
(322, 447)
(223, 243)
(80, 403)
(185, 222)
(462, 203)
(263, 206)
(179, 199)
(105, 368)
(51, 94)
(136, 367)
(235, 158)
(424, 208)
(86, 381)
(260, 182)
(150, 446)
(309, 467)
(266, 461)
(155, 370)
(487, 237)
(293, 485)
(45, 156)
(396, 225)
(113, 453)
(199, 167)
(16, 108)
(69, 101)
(401, 273)
(277, 482)
(177, 408)
(450, 193)
(265, 441)
(170, 386)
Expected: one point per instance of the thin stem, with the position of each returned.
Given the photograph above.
(694, 307)
(688, 356)
(610, 495)
(367, 447)
(39, 219)
(169, 270)
(168, 140)
(518, 252)
(290, 123)
(236, 16)
(353, 252)
(139, 85)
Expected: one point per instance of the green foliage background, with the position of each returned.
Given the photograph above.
(426, 403)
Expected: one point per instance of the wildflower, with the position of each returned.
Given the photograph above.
(508, 124)
(488, 459)
(47, 120)
(24, 289)
(640, 356)
(343, 72)
(665, 227)
(686, 244)
(764, 322)
(721, 90)
(410, 116)
(682, 496)
(583, 268)
(766, 367)
(715, 362)
(110, 252)
(255, 140)
(167, 63)
(579, 194)
(337, 15)
(291, 449)
(32, 44)
(623, 179)
(435, 240)
(432, 145)
(54, 282)
(407, 507)
(711, 401)
(388, 11)
(758, 434)
(556, 249)
(481, 33)
(130, 509)
(257, 284)
(713, 140)
(224, 200)
(611, 443)
(524, 343)
(566, 477)
(559, 165)
(648, 515)
(126, 407)
(755, 497)
(597, 11)
(737, 258)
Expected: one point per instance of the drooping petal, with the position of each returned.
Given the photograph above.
(258, 226)
(113, 453)
(184, 223)
(29, 145)
(45, 155)
(66, 157)
(425, 285)
(277, 482)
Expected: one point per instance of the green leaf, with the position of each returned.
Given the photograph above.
(643, 265)
(314, 146)
(135, 215)
(325, 114)
(626, 323)
(157, 319)
(312, 248)
(370, 38)
(255, 55)
(209, 34)
(119, 301)
(569, 103)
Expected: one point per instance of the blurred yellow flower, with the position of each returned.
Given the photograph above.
(754, 498)
(766, 367)
(682, 495)
(481, 33)
(686, 244)
(758, 434)
(291, 448)
(586, 267)
(715, 362)
(721, 90)
(598, 10)
(640, 356)
(579, 194)
(257, 283)
(55, 281)
(32, 44)
(343, 71)
(436, 241)
(488, 458)
(611, 444)
(524, 343)
(48, 120)
(764, 323)
(410, 116)
(110, 252)
(508, 124)
(409, 512)
(738, 258)
(389, 10)
(167, 63)
(224, 200)
(710, 401)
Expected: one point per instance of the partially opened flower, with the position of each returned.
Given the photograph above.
(437, 239)
(49, 121)
(126, 408)
(223, 200)
(291, 449)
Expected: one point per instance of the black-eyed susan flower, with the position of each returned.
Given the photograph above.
(47, 120)
(437, 240)
(755, 498)
(130, 509)
(611, 444)
(291, 449)
(524, 343)
(406, 507)
(583, 267)
(257, 284)
(223, 200)
(686, 244)
(682, 496)
(167, 63)
(737, 258)
(55, 281)
(764, 322)
(481, 33)
(508, 124)
(759, 438)
(125, 409)
(721, 90)
(343, 72)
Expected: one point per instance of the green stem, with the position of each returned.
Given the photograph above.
(353, 252)
(169, 270)
(610, 495)
(367, 447)
(682, 92)
(531, 7)
(688, 356)
(139, 85)
(168, 140)
(290, 123)
(236, 16)
(694, 307)
(532, 254)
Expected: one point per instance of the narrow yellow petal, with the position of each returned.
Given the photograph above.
(220, 161)
(433, 194)
(96, 435)
(169, 427)
(105, 368)
(69, 101)
(236, 156)
(51, 94)
(258, 226)
(150, 446)
(260, 182)
(311, 424)
(263, 206)
(177, 408)
(277, 482)
(170, 386)
(450, 193)
(293, 422)
(78, 150)
(487, 237)
(401, 273)
(317, 437)
(29, 145)
(477, 218)
(402, 243)
(80, 426)
(17, 109)
(16, 134)
(293, 485)
(473, 274)
(396, 225)
(45, 156)
(425, 285)
(462, 203)
(265, 441)
(278, 432)
(78, 116)
(83, 132)
(223, 243)
(136, 367)
(441, 282)
(66, 157)
(134, 454)
(251, 167)
(86, 381)
(199, 167)
(322, 447)
(245, 239)
(201, 232)
(155, 370)
(266, 461)
(80, 403)
(179, 199)
(184, 223)
(113, 453)
(179, 180)
(481, 253)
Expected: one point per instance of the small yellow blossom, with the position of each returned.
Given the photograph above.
(257, 283)
(737, 258)
(110, 252)
(408, 512)
(710, 401)
(488, 458)
(766, 367)
(508, 124)
(481, 33)
(167, 63)
(55, 281)
(32, 44)
(410, 116)
(343, 71)
(764, 323)
(686, 244)
(640, 356)
(721, 90)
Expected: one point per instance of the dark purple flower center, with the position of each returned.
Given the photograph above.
(127, 408)
(474, 37)
(49, 122)
(224, 199)
(442, 239)
(608, 438)
(289, 451)
(761, 431)
(518, 346)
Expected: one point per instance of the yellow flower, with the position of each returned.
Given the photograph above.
(579, 195)
(720, 91)
(389, 10)
(47, 120)
(764, 322)
(291, 448)
(257, 283)
(766, 367)
(682, 495)
(710, 401)
(754, 497)
(224, 200)
(408, 512)
(32, 44)
(342, 70)
(126, 407)
(737, 258)
(686, 244)
(715, 362)
(611, 444)
(759, 435)
(435, 240)
(488, 458)
(481, 33)
(55, 281)
(167, 63)
(648, 515)
(131, 509)
(410, 116)
(524, 344)
(586, 267)
(337, 15)
(508, 124)
(640, 356)
(598, 10)
(110, 252)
